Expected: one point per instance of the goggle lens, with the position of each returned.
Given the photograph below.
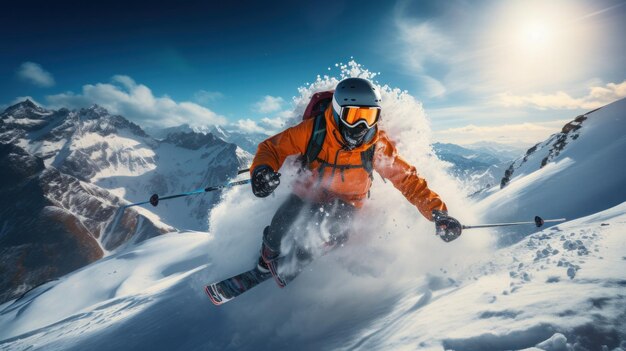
(355, 115)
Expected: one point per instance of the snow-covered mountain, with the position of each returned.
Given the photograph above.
(53, 223)
(463, 159)
(65, 173)
(574, 173)
(479, 167)
(247, 141)
(504, 152)
(116, 154)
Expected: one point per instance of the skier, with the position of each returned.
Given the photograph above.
(339, 150)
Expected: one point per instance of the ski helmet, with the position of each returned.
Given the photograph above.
(356, 110)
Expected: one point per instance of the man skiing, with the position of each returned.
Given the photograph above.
(339, 149)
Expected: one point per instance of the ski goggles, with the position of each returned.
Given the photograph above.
(352, 116)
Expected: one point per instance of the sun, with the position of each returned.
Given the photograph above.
(534, 36)
(531, 43)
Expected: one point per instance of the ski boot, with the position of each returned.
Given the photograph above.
(269, 260)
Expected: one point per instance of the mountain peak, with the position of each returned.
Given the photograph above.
(193, 140)
(94, 111)
(28, 103)
(25, 108)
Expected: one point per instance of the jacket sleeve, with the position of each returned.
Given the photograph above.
(404, 177)
(272, 152)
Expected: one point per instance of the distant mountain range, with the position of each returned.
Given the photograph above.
(480, 165)
(246, 141)
(66, 172)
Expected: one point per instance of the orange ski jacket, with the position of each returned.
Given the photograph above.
(324, 184)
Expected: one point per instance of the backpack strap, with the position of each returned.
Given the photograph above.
(367, 159)
(316, 140)
(314, 147)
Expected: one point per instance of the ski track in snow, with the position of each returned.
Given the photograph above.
(567, 280)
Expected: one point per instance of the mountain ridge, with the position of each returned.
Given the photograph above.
(96, 146)
(584, 164)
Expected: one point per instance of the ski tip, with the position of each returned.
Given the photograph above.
(274, 271)
(279, 281)
(215, 299)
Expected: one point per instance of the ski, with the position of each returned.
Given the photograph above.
(287, 268)
(227, 289)
(283, 270)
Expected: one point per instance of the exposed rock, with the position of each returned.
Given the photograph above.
(52, 224)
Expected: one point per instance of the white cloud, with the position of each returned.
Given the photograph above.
(249, 126)
(204, 97)
(269, 104)
(432, 86)
(35, 74)
(522, 134)
(423, 42)
(266, 125)
(126, 81)
(273, 123)
(135, 101)
(598, 96)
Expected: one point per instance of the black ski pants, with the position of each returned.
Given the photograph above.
(298, 215)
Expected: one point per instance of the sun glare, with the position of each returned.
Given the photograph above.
(534, 42)
(535, 35)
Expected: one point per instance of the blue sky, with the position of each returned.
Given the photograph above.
(484, 69)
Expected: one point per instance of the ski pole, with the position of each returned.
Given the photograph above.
(154, 199)
(538, 222)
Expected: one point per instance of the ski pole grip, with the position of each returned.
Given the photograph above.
(154, 200)
(539, 221)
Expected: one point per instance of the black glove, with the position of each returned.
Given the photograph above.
(448, 228)
(264, 181)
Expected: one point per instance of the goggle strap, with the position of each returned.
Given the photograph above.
(336, 107)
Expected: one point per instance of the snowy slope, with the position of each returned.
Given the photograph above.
(577, 172)
(566, 282)
(182, 162)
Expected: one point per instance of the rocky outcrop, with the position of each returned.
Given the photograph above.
(52, 223)
(548, 149)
